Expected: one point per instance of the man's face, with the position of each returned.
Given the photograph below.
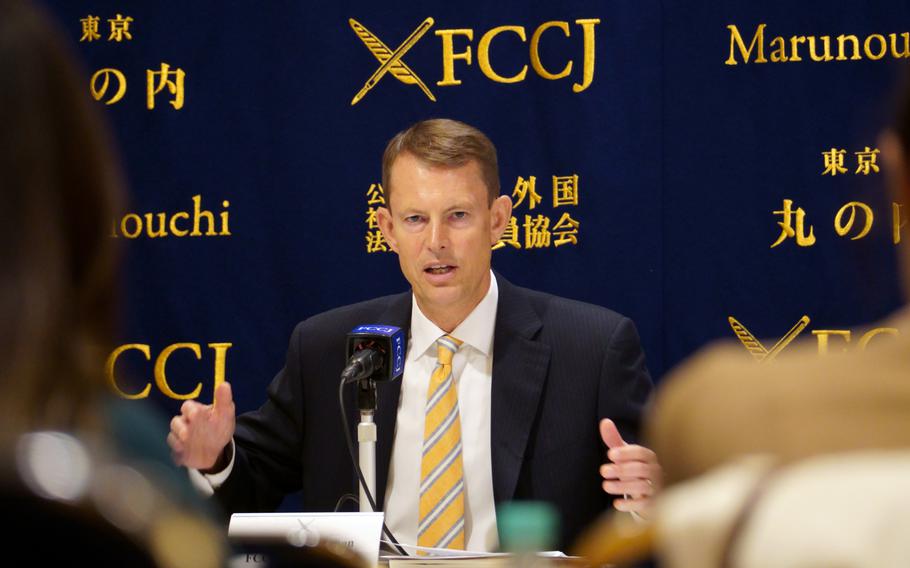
(442, 226)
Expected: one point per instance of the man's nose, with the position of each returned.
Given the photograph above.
(439, 236)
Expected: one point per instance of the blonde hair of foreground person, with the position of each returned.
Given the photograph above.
(740, 441)
(59, 189)
(61, 474)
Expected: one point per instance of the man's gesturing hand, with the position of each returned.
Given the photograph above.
(634, 473)
(200, 433)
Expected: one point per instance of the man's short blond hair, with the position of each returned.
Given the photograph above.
(445, 143)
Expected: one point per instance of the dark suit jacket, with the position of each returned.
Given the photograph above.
(559, 366)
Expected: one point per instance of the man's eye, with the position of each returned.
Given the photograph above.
(412, 219)
(460, 214)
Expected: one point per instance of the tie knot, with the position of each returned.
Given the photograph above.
(446, 346)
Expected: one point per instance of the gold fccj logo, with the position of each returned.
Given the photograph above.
(391, 60)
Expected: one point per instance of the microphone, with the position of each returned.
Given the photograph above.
(374, 352)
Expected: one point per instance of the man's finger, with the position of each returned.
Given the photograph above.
(610, 435)
(175, 444)
(189, 409)
(223, 400)
(636, 487)
(632, 453)
(609, 471)
(178, 428)
(626, 470)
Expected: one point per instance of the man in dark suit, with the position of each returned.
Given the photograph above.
(465, 427)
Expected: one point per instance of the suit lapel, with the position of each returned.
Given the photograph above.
(397, 314)
(520, 365)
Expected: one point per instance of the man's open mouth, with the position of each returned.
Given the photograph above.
(439, 269)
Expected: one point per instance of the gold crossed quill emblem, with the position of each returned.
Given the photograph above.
(754, 345)
(390, 60)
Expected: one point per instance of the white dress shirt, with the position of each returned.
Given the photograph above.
(472, 368)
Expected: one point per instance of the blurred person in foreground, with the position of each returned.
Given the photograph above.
(800, 462)
(72, 457)
(720, 405)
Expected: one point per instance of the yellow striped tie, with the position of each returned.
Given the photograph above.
(441, 471)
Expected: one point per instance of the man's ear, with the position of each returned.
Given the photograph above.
(500, 213)
(386, 224)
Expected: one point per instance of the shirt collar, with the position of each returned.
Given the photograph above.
(476, 330)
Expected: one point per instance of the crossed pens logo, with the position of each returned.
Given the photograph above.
(390, 61)
(755, 347)
(829, 340)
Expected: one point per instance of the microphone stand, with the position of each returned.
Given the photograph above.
(367, 398)
(366, 439)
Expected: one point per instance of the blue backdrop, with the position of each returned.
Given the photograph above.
(662, 160)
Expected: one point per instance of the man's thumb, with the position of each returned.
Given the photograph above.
(610, 434)
(223, 398)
